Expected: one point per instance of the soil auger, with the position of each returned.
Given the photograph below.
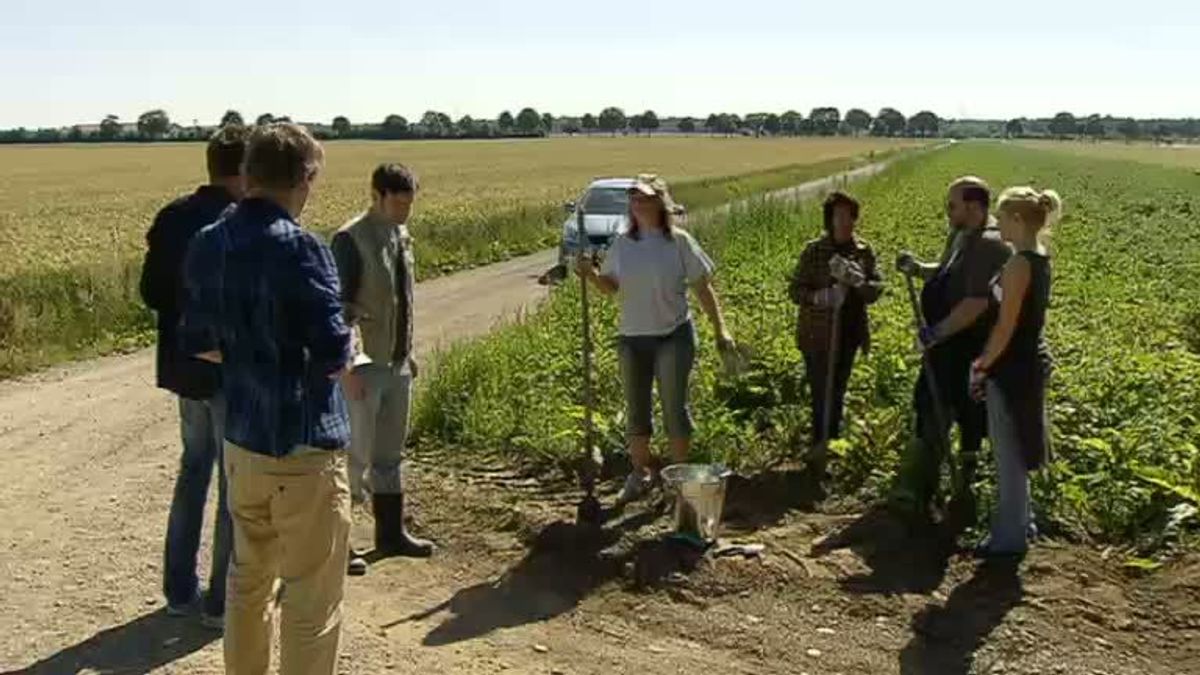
(589, 512)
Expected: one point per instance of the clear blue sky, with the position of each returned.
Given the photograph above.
(70, 61)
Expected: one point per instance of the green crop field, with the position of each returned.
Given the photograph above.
(1125, 399)
(72, 218)
(1186, 156)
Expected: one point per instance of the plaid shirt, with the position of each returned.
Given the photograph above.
(265, 294)
(813, 323)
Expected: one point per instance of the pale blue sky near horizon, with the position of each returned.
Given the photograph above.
(69, 61)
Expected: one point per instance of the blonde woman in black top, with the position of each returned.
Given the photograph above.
(1015, 364)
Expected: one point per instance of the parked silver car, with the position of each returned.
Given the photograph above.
(605, 207)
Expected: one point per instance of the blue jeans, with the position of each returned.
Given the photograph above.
(1012, 522)
(203, 426)
(667, 359)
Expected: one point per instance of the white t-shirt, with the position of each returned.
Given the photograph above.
(653, 274)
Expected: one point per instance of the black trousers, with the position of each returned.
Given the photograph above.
(952, 370)
(816, 366)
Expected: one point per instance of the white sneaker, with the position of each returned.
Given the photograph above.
(637, 484)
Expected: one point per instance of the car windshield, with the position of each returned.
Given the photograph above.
(607, 201)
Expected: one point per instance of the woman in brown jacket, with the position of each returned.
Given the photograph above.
(833, 283)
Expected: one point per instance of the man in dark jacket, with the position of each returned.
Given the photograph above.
(956, 304)
(195, 382)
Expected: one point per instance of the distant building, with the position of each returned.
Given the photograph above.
(127, 130)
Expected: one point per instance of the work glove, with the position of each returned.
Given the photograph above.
(927, 337)
(847, 272)
(734, 359)
(907, 264)
(833, 296)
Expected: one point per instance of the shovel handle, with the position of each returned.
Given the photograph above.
(587, 474)
(835, 339)
(939, 412)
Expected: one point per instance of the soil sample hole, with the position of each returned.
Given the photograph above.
(656, 562)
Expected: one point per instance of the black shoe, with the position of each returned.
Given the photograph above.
(985, 551)
(391, 534)
(182, 609)
(357, 564)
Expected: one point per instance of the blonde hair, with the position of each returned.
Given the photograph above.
(282, 156)
(1039, 209)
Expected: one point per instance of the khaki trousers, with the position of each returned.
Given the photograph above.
(291, 521)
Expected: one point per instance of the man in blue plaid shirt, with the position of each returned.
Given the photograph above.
(263, 301)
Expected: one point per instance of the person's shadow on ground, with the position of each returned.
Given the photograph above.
(565, 564)
(136, 648)
(760, 501)
(946, 638)
(903, 558)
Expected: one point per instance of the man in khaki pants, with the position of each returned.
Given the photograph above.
(263, 300)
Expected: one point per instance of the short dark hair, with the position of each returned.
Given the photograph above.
(390, 178)
(974, 190)
(978, 195)
(835, 199)
(226, 151)
(282, 156)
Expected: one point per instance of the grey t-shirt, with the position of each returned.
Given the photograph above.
(653, 274)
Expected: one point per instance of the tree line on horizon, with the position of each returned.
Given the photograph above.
(156, 125)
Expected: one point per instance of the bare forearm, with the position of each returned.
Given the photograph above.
(1015, 282)
(711, 306)
(586, 269)
(963, 316)
(996, 344)
(606, 285)
(1000, 338)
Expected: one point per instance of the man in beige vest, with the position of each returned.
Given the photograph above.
(374, 256)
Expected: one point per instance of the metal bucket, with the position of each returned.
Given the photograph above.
(699, 491)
